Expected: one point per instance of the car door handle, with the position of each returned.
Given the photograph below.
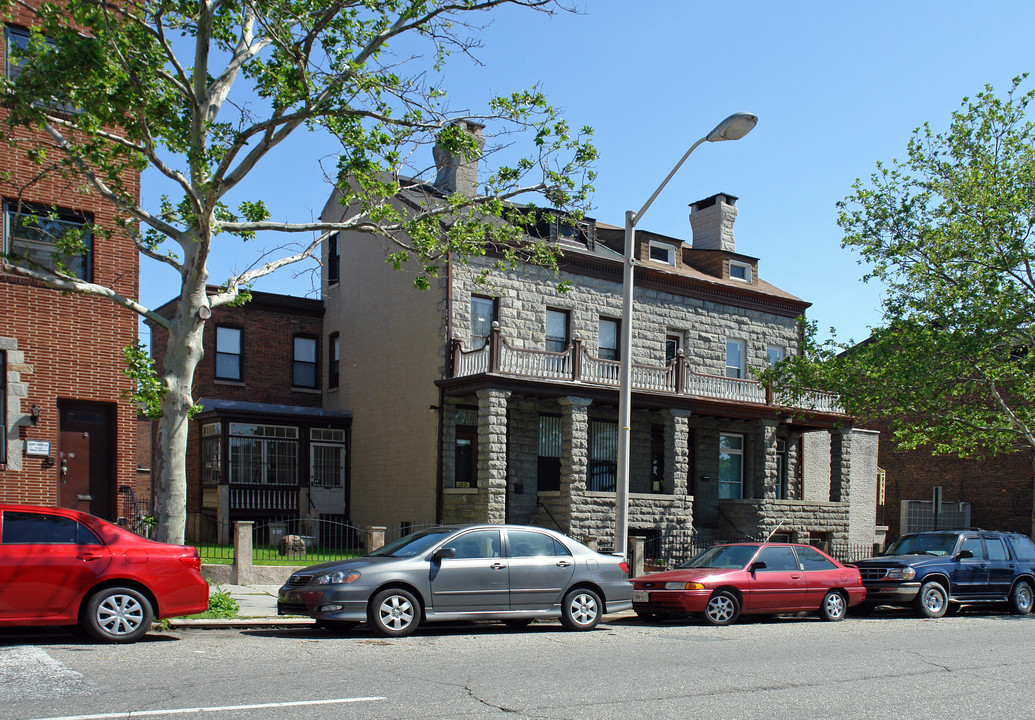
(498, 566)
(563, 563)
(89, 556)
(795, 577)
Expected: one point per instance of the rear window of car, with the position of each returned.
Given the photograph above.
(42, 529)
(811, 560)
(1022, 547)
(524, 543)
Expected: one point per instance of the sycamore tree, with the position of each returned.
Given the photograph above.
(949, 232)
(196, 94)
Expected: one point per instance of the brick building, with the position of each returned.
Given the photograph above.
(67, 432)
(991, 493)
(262, 446)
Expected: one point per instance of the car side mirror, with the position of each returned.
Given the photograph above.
(760, 565)
(964, 554)
(444, 552)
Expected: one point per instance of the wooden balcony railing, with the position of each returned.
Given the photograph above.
(575, 364)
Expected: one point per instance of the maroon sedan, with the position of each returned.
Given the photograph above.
(64, 567)
(758, 578)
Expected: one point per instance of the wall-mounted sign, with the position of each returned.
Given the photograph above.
(37, 447)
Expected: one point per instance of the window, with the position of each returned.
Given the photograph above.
(211, 453)
(304, 368)
(603, 456)
(3, 407)
(548, 475)
(465, 448)
(812, 560)
(974, 545)
(1022, 547)
(56, 240)
(731, 466)
(22, 528)
(607, 343)
(327, 458)
(781, 470)
(334, 350)
(996, 549)
(263, 454)
(740, 271)
(660, 252)
(556, 330)
(477, 544)
(673, 344)
(774, 354)
(778, 559)
(483, 313)
(17, 40)
(528, 543)
(735, 355)
(333, 258)
(228, 353)
(657, 458)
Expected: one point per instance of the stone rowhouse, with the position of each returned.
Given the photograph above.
(498, 402)
(68, 435)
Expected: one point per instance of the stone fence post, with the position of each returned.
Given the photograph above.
(241, 572)
(636, 556)
(375, 537)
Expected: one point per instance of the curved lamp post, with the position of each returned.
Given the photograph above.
(734, 127)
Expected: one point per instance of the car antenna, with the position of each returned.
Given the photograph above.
(773, 532)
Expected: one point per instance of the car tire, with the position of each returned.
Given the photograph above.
(116, 615)
(933, 600)
(834, 606)
(336, 626)
(581, 609)
(1021, 598)
(394, 613)
(723, 608)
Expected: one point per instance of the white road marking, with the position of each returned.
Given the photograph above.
(223, 708)
(29, 673)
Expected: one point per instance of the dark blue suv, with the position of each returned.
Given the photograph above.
(936, 571)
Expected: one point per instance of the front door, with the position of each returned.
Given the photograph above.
(327, 479)
(86, 474)
(476, 579)
(780, 585)
(970, 575)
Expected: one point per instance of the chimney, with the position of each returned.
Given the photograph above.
(455, 172)
(712, 222)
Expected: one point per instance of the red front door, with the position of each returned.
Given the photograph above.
(780, 585)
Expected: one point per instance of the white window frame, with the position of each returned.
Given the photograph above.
(746, 267)
(734, 453)
(741, 368)
(668, 250)
(225, 344)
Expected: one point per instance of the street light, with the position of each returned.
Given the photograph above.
(734, 127)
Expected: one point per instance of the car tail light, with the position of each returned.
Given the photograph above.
(625, 567)
(192, 561)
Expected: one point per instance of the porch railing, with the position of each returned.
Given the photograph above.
(576, 364)
(266, 499)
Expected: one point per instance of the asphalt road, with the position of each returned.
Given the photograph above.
(885, 666)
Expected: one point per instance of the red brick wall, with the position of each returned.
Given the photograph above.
(72, 345)
(998, 489)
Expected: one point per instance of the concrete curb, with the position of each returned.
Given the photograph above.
(268, 622)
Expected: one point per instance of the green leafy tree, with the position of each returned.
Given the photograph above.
(949, 232)
(199, 93)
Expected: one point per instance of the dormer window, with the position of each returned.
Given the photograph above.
(660, 252)
(740, 271)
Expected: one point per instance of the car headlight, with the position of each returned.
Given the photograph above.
(906, 573)
(338, 577)
(684, 586)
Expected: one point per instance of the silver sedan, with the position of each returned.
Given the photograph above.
(508, 573)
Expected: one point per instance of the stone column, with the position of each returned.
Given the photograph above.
(241, 572)
(677, 452)
(840, 464)
(766, 484)
(492, 452)
(375, 537)
(574, 457)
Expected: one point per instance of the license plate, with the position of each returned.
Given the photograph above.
(641, 596)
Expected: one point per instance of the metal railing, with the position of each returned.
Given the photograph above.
(305, 541)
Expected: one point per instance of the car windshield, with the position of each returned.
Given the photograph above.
(412, 544)
(727, 557)
(926, 544)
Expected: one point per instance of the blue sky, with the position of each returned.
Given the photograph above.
(836, 86)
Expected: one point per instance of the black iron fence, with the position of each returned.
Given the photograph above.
(305, 541)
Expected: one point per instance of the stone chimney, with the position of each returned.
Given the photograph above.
(455, 172)
(712, 221)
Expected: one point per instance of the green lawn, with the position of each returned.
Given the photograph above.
(266, 555)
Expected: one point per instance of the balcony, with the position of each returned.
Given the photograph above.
(577, 365)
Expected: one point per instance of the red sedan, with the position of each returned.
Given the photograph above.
(64, 567)
(758, 578)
